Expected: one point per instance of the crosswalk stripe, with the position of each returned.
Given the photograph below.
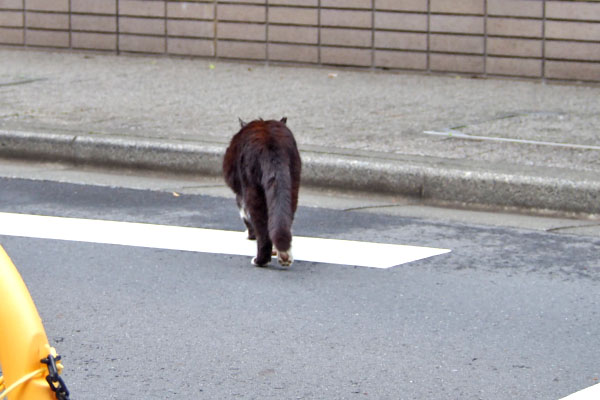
(333, 251)
(590, 393)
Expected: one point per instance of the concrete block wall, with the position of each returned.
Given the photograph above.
(539, 39)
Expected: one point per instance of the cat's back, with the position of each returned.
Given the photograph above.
(266, 133)
(258, 139)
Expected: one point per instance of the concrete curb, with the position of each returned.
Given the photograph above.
(113, 151)
(435, 179)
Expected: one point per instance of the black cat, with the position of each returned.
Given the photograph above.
(262, 166)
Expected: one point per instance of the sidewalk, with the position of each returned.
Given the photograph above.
(538, 145)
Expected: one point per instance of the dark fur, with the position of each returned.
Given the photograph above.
(262, 166)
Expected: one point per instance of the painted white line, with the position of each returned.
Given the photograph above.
(333, 251)
(591, 393)
(451, 133)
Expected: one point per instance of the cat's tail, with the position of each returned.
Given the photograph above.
(277, 184)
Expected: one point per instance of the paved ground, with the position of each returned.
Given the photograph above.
(356, 130)
(508, 313)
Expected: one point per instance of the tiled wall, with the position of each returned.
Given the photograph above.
(547, 39)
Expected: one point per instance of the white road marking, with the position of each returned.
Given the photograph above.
(333, 251)
(453, 133)
(591, 393)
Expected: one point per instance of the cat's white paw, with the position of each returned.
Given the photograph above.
(285, 258)
(257, 264)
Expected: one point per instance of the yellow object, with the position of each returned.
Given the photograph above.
(23, 340)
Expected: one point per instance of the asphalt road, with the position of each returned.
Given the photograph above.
(508, 314)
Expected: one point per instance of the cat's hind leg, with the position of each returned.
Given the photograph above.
(245, 216)
(257, 208)
(250, 234)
